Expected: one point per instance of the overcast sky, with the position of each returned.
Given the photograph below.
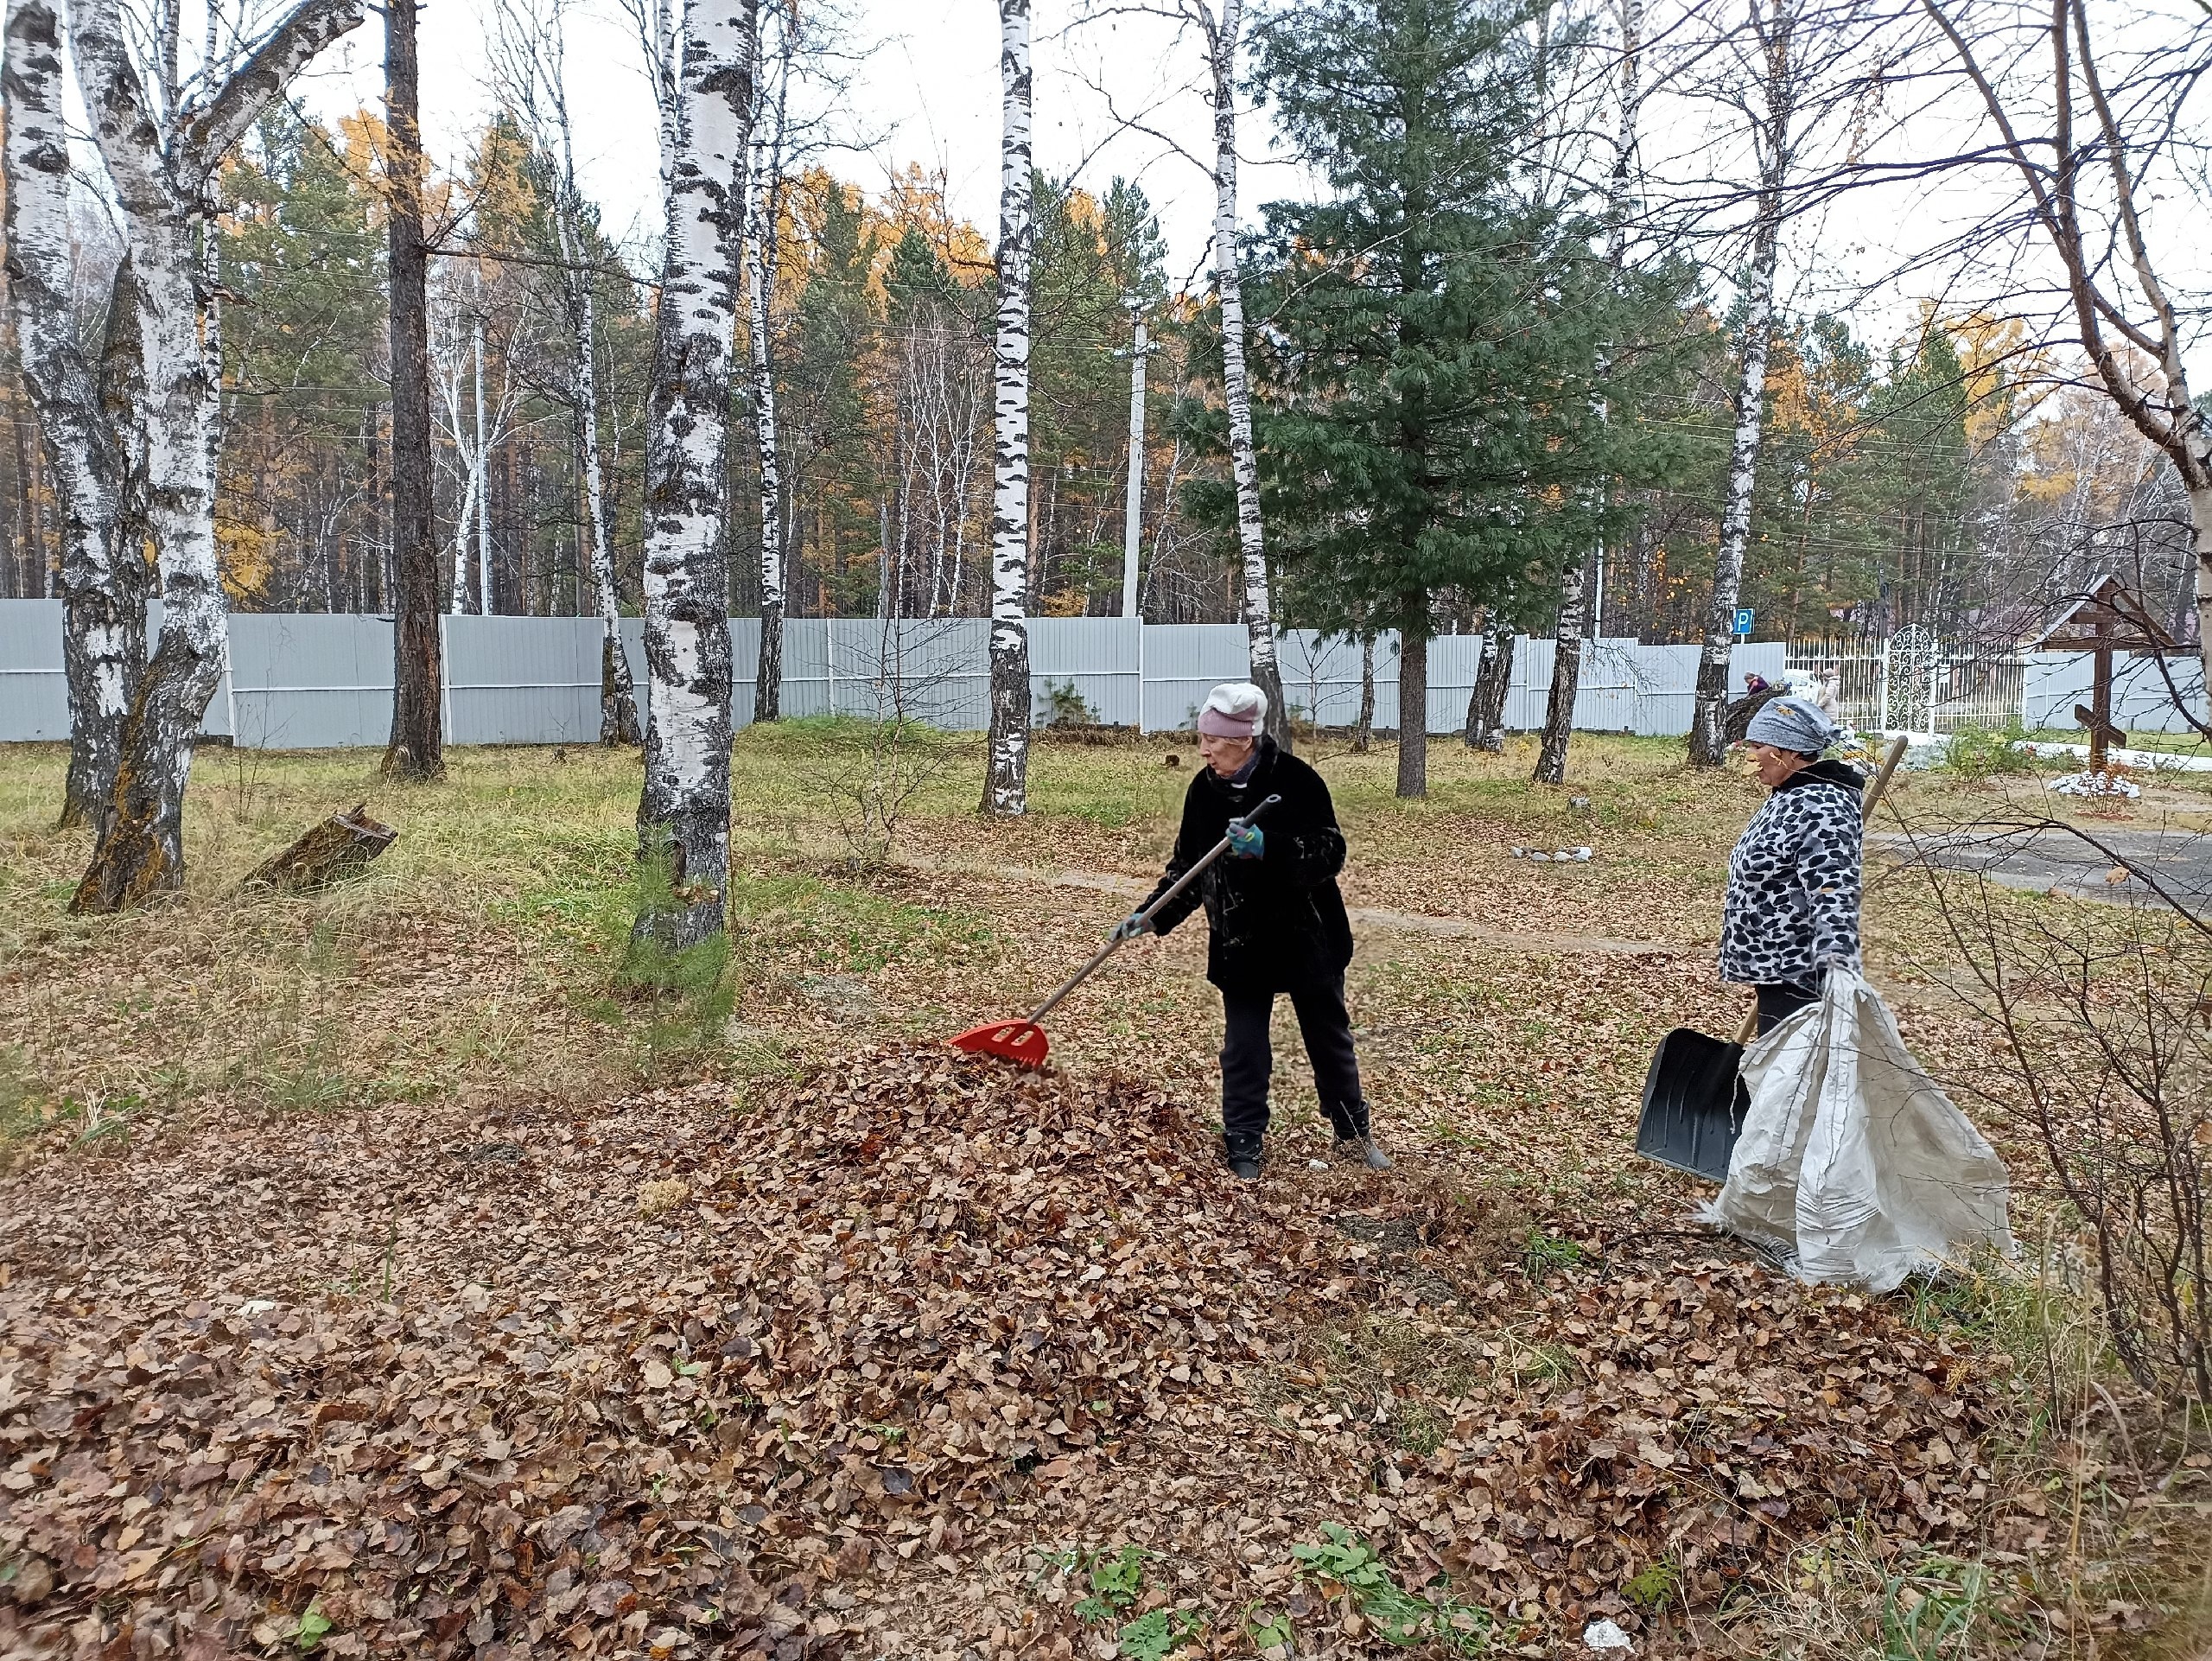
(924, 89)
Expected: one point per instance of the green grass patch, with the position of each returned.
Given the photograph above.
(1344, 1561)
(1977, 752)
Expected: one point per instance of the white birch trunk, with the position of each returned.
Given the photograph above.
(1243, 458)
(1474, 735)
(966, 452)
(760, 292)
(683, 813)
(464, 529)
(482, 478)
(162, 182)
(1566, 676)
(666, 71)
(537, 59)
(1006, 786)
(1708, 744)
(1133, 515)
(104, 597)
(617, 720)
(1580, 601)
(618, 715)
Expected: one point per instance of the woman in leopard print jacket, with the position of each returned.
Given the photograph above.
(1792, 909)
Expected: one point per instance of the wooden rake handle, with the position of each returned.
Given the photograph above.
(1118, 939)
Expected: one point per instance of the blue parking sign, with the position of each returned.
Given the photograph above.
(1744, 615)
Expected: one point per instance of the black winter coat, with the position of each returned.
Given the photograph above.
(1278, 920)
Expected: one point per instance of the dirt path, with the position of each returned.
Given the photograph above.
(1537, 943)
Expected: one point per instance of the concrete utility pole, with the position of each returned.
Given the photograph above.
(1132, 523)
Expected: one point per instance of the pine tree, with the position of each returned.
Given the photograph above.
(828, 470)
(415, 750)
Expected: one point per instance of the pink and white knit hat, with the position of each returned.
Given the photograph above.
(1234, 710)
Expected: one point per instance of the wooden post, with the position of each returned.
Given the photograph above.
(2110, 621)
(2100, 691)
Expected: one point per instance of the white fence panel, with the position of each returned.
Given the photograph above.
(34, 689)
(307, 681)
(1182, 663)
(2056, 681)
(516, 680)
(1321, 677)
(314, 681)
(1103, 658)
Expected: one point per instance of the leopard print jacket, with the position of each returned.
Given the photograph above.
(1793, 882)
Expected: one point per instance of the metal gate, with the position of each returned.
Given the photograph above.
(1912, 683)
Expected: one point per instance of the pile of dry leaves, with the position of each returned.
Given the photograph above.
(661, 1379)
(1703, 1418)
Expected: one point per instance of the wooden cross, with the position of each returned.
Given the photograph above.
(2110, 620)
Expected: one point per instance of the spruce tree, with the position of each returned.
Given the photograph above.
(1434, 330)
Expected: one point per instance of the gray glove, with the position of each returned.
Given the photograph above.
(1129, 927)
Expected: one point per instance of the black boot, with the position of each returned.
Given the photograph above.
(1244, 1152)
(1354, 1139)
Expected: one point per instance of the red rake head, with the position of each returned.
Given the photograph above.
(1019, 1041)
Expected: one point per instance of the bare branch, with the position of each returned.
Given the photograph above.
(215, 130)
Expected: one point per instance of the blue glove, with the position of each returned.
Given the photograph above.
(1246, 840)
(1131, 926)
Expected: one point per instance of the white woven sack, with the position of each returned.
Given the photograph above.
(1852, 1162)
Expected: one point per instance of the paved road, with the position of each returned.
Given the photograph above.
(2047, 859)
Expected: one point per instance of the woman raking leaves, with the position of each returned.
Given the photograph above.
(1278, 922)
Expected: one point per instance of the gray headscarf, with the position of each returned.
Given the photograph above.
(1792, 723)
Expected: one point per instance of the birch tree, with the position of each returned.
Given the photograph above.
(684, 813)
(1222, 32)
(937, 403)
(1493, 681)
(457, 357)
(2137, 342)
(1772, 27)
(1220, 26)
(161, 155)
(764, 213)
(533, 70)
(86, 416)
(1574, 601)
(1801, 63)
(1006, 784)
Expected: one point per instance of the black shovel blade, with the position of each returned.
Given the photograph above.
(1693, 1105)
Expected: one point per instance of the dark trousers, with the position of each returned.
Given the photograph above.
(1247, 1060)
(1779, 1000)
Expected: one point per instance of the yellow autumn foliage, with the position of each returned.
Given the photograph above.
(245, 555)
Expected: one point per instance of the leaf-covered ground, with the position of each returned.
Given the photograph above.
(371, 1282)
(843, 1372)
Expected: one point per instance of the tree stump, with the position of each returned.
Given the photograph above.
(338, 848)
